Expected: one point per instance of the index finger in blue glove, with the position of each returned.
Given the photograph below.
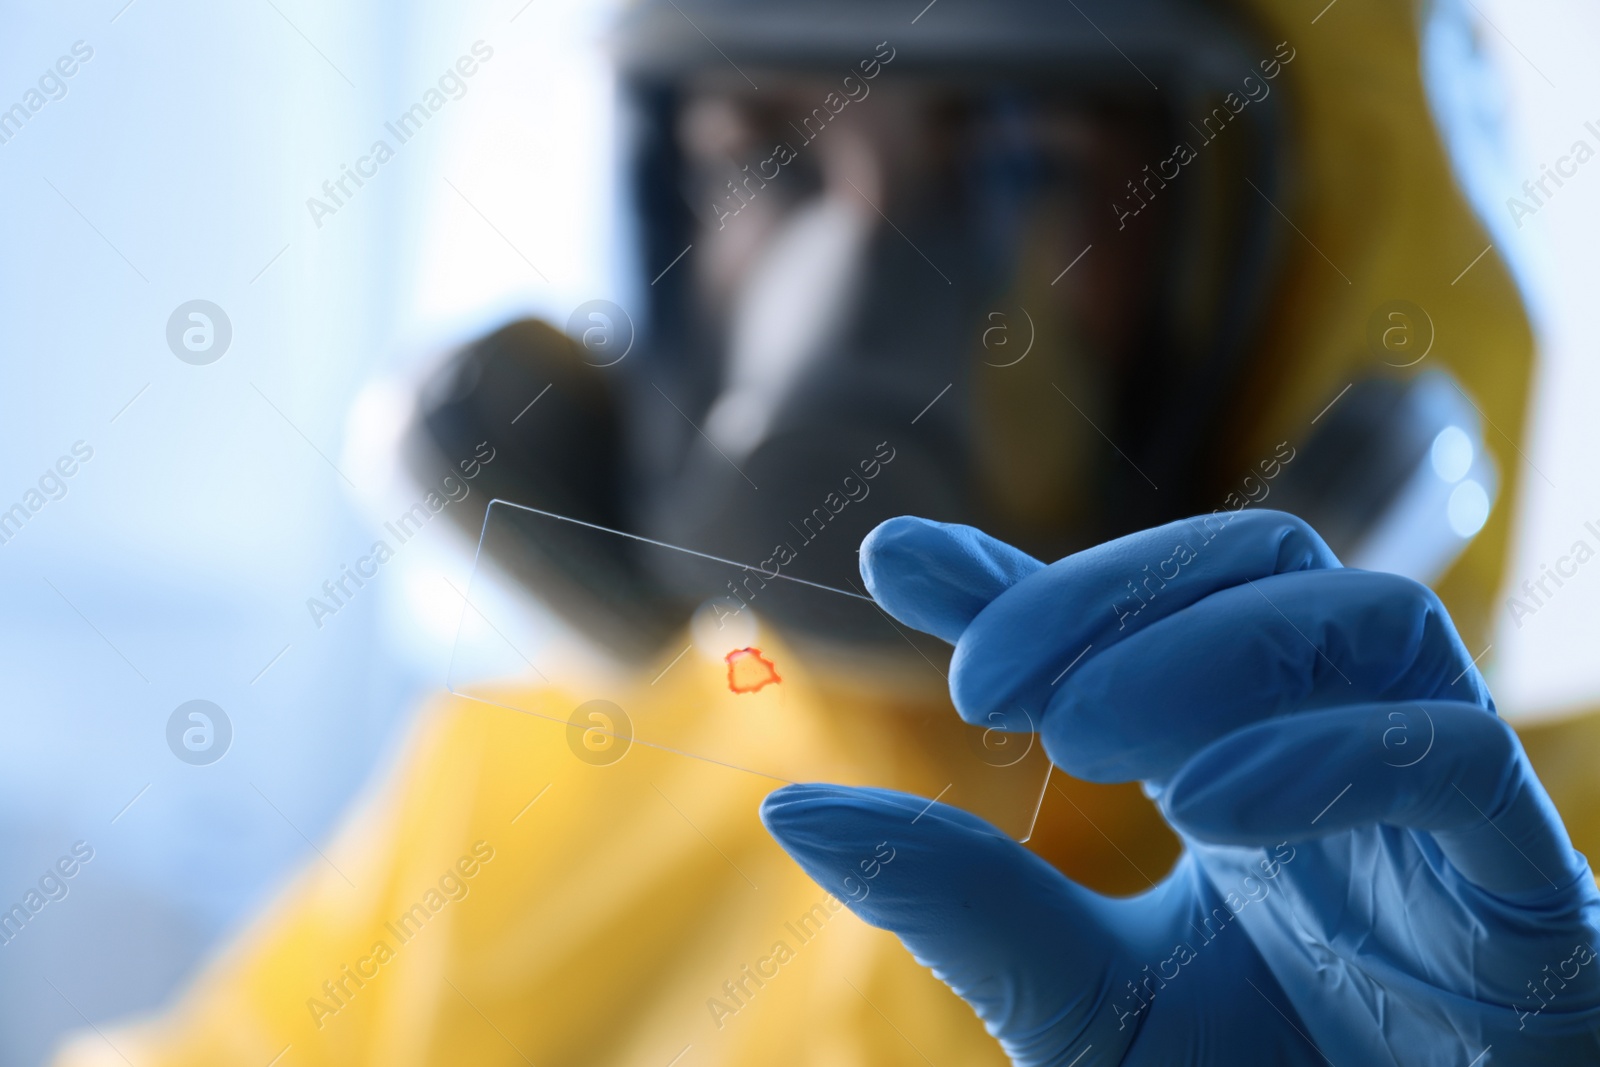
(1031, 620)
(936, 576)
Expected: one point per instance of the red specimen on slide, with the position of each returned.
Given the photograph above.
(749, 670)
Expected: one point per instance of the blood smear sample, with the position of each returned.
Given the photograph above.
(749, 670)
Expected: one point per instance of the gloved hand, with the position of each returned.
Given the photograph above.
(1372, 872)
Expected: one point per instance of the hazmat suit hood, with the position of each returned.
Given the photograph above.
(1078, 270)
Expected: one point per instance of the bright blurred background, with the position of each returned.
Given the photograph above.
(177, 166)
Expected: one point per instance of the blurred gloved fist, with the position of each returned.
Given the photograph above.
(1372, 874)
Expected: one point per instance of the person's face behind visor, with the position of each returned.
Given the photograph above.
(862, 245)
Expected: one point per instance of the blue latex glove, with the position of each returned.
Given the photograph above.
(1372, 873)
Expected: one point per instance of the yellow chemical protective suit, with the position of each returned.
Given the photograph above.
(499, 901)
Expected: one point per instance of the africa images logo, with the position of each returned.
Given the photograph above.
(337, 192)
